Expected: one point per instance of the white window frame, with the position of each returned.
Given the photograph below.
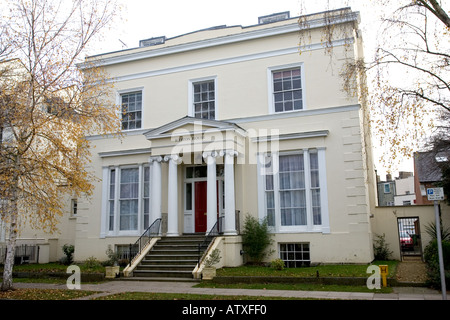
(271, 71)
(73, 207)
(119, 94)
(285, 256)
(309, 227)
(105, 232)
(191, 82)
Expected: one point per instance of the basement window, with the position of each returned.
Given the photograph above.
(295, 255)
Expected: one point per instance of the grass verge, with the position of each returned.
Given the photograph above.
(294, 287)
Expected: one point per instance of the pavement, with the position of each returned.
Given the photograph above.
(117, 286)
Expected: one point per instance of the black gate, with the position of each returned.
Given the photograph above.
(409, 237)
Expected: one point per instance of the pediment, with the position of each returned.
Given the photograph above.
(190, 125)
(190, 135)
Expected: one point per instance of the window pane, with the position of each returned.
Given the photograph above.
(128, 214)
(277, 86)
(287, 85)
(188, 196)
(315, 188)
(269, 182)
(111, 215)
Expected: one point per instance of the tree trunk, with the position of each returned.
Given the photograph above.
(7, 283)
(13, 213)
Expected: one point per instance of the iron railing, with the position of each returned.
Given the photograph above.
(152, 231)
(214, 232)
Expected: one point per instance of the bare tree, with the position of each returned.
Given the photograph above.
(411, 76)
(47, 107)
(407, 72)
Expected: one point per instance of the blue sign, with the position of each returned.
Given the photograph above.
(434, 194)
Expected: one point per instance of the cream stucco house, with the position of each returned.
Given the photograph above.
(233, 121)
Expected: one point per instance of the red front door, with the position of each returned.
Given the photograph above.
(200, 206)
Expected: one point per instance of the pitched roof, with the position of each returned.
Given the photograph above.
(427, 167)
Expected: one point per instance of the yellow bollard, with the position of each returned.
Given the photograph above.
(384, 273)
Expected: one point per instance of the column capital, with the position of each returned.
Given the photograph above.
(212, 154)
(155, 158)
(173, 157)
(229, 153)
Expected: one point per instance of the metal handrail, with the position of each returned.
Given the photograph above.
(152, 231)
(214, 232)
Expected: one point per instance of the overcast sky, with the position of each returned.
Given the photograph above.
(146, 19)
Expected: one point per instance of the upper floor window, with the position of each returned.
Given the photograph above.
(204, 99)
(287, 90)
(131, 103)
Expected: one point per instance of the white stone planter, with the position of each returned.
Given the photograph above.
(112, 272)
(208, 273)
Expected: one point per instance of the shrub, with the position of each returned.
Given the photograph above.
(213, 258)
(68, 250)
(431, 257)
(256, 238)
(113, 257)
(381, 248)
(92, 263)
(277, 264)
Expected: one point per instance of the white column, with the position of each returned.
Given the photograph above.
(230, 212)
(211, 204)
(155, 197)
(172, 205)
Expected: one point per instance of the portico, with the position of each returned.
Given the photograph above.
(200, 157)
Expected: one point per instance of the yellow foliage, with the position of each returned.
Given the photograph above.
(48, 107)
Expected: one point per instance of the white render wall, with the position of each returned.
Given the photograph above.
(242, 73)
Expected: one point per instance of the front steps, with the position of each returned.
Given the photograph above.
(171, 258)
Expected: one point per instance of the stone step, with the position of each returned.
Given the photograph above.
(152, 267)
(162, 273)
(184, 256)
(171, 258)
(159, 279)
(190, 262)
